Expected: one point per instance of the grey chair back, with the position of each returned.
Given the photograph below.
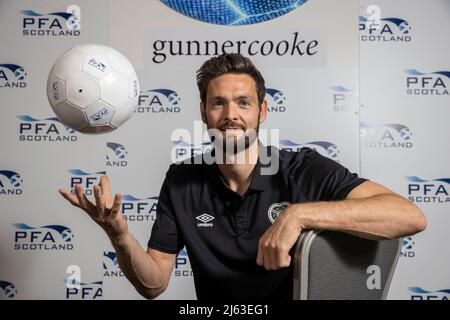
(331, 265)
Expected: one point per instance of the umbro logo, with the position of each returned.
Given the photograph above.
(205, 220)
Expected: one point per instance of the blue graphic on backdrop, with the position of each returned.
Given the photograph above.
(158, 101)
(384, 29)
(277, 100)
(185, 150)
(425, 84)
(49, 129)
(408, 248)
(422, 294)
(52, 23)
(116, 156)
(8, 289)
(10, 183)
(12, 76)
(111, 265)
(388, 135)
(182, 269)
(51, 237)
(325, 148)
(86, 179)
(83, 290)
(341, 98)
(139, 209)
(234, 12)
(428, 191)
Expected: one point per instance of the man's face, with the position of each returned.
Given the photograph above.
(232, 107)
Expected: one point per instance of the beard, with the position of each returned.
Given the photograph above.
(230, 143)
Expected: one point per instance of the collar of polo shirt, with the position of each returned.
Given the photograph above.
(259, 182)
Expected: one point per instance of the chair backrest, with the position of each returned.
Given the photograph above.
(336, 265)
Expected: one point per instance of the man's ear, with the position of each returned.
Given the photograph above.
(202, 112)
(263, 111)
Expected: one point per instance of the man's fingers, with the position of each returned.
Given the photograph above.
(272, 259)
(266, 256)
(272, 263)
(284, 260)
(85, 204)
(71, 198)
(104, 185)
(115, 209)
(259, 257)
(287, 261)
(99, 201)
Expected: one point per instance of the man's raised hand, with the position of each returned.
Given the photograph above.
(106, 210)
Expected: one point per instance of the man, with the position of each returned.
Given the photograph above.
(237, 224)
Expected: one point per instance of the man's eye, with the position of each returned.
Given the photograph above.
(217, 104)
(245, 103)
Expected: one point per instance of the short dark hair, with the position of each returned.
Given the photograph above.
(229, 63)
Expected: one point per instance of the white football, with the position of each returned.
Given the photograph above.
(93, 88)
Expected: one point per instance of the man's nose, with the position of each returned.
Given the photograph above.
(231, 111)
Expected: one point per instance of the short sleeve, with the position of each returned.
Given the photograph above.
(165, 235)
(322, 179)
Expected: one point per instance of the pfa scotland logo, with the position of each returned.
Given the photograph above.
(111, 265)
(418, 293)
(426, 84)
(116, 156)
(276, 101)
(136, 209)
(10, 183)
(49, 130)
(9, 290)
(86, 179)
(389, 135)
(50, 237)
(408, 248)
(158, 101)
(428, 191)
(183, 150)
(325, 148)
(377, 29)
(52, 24)
(182, 266)
(12, 76)
(342, 98)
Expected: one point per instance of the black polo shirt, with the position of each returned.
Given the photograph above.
(221, 229)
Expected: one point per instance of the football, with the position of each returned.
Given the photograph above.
(93, 88)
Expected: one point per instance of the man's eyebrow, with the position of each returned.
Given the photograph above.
(216, 98)
(243, 97)
(222, 98)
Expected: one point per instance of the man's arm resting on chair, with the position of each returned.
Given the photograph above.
(370, 211)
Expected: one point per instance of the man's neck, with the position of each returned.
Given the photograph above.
(238, 168)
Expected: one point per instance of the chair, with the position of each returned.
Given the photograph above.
(335, 265)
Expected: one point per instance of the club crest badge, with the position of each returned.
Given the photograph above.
(275, 209)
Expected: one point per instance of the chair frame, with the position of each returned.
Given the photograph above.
(301, 264)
